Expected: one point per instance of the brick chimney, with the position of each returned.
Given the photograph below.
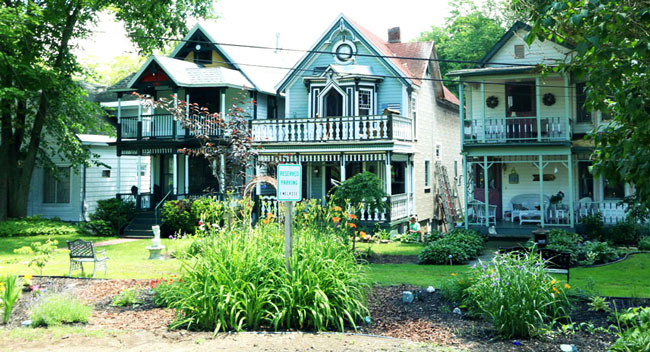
(394, 35)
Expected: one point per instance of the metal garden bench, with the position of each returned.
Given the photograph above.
(84, 252)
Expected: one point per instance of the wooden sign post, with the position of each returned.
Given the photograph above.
(289, 191)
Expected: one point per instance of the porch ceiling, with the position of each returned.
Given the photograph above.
(518, 150)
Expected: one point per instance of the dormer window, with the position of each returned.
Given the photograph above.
(520, 52)
(344, 51)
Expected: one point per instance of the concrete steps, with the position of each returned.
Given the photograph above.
(140, 226)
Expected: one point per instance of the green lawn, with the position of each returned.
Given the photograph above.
(126, 260)
(629, 278)
(393, 248)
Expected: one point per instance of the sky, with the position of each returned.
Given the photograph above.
(299, 23)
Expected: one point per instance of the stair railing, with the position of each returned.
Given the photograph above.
(155, 210)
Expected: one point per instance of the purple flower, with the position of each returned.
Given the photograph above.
(474, 266)
(171, 237)
(516, 343)
(508, 283)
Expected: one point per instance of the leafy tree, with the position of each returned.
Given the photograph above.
(363, 188)
(467, 35)
(41, 105)
(612, 40)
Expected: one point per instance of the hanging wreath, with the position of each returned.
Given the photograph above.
(548, 99)
(492, 102)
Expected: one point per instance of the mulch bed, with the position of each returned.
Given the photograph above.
(428, 319)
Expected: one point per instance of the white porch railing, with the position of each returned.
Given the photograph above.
(346, 128)
(398, 209)
(611, 211)
(516, 129)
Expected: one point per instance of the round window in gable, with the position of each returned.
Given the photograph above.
(343, 52)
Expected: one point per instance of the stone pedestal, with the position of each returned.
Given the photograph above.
(156, 247)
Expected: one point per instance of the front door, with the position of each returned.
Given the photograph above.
(333, 103)
(494, 185)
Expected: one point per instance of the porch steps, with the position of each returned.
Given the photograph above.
(140, 226)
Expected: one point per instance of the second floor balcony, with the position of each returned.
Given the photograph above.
(163, 126)
(516, 129)
(333, 129)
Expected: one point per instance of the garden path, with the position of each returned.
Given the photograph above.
(117, 241)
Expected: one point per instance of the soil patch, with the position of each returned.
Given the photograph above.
(429, 320)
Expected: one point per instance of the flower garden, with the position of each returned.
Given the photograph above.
(224, 274)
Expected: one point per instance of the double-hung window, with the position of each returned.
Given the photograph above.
(56, 185)
(365, 102)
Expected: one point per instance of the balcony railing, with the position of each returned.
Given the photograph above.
(611, 211)
(163, 126)
(516, 129)
(331, 129)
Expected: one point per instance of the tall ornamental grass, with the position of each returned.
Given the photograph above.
(517, 295)
(240, 282)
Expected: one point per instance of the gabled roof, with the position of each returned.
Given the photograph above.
(189, 74)
(509, 34)
(374, 43)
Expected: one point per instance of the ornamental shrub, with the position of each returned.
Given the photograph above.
(623, 234)
(462, 245)
(596, 252)
(110, 216)
(240, 282)
(593, 226)
(515, 293)
(177, 217)
(644, 244)
(566, 242)
(36, 226)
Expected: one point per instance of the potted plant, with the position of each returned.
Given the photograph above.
(459, 220)
(557, 199)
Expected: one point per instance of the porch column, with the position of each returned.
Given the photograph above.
(187, 112)
(222, 107)
(119, 174)
(222, 175)
(567, 111)
(139, 126)
(139, 174)
(461, 94)
(175, 174)
(407, 186)
(388, 176)
(541, 190)
(466, 222)
(412, 177)
(538, 109)
(258, 186)
(119, 108)
(151, 178)
(175, 123)
(323, 199)
(187, 175)
(486, 191)
(343, 167)
(483, 113)
(571, 190)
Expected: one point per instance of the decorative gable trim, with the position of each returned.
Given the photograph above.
(325, 39)
(144, 67)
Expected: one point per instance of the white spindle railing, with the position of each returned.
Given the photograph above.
(612, 211)
(347, 128)
(519, 129)
(268, 204)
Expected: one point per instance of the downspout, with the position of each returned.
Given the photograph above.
(83, 196)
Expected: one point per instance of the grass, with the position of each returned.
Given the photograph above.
(60, 309)
(629, 278)
(393, 248)
(126, 260)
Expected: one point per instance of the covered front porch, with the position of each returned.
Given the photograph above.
(322, 172)
(537, 190)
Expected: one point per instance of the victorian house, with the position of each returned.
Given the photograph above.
(525, 159)
(356, 102)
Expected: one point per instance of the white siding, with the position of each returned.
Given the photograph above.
(538, 52)
(97, 187)
(526, 184)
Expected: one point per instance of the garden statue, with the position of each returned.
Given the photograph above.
(156, 246)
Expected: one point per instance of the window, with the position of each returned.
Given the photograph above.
(272, 107)
(427, 173)
(203, 57)
(521, 98)
(613, 190)
(520, 51)
(582, 114)
(398, 177)
(143, 170)
(56, 185)
(365, 102)
(585, 180)
(106, 173)
(344, 51)
(438, 151)
(456, 168)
